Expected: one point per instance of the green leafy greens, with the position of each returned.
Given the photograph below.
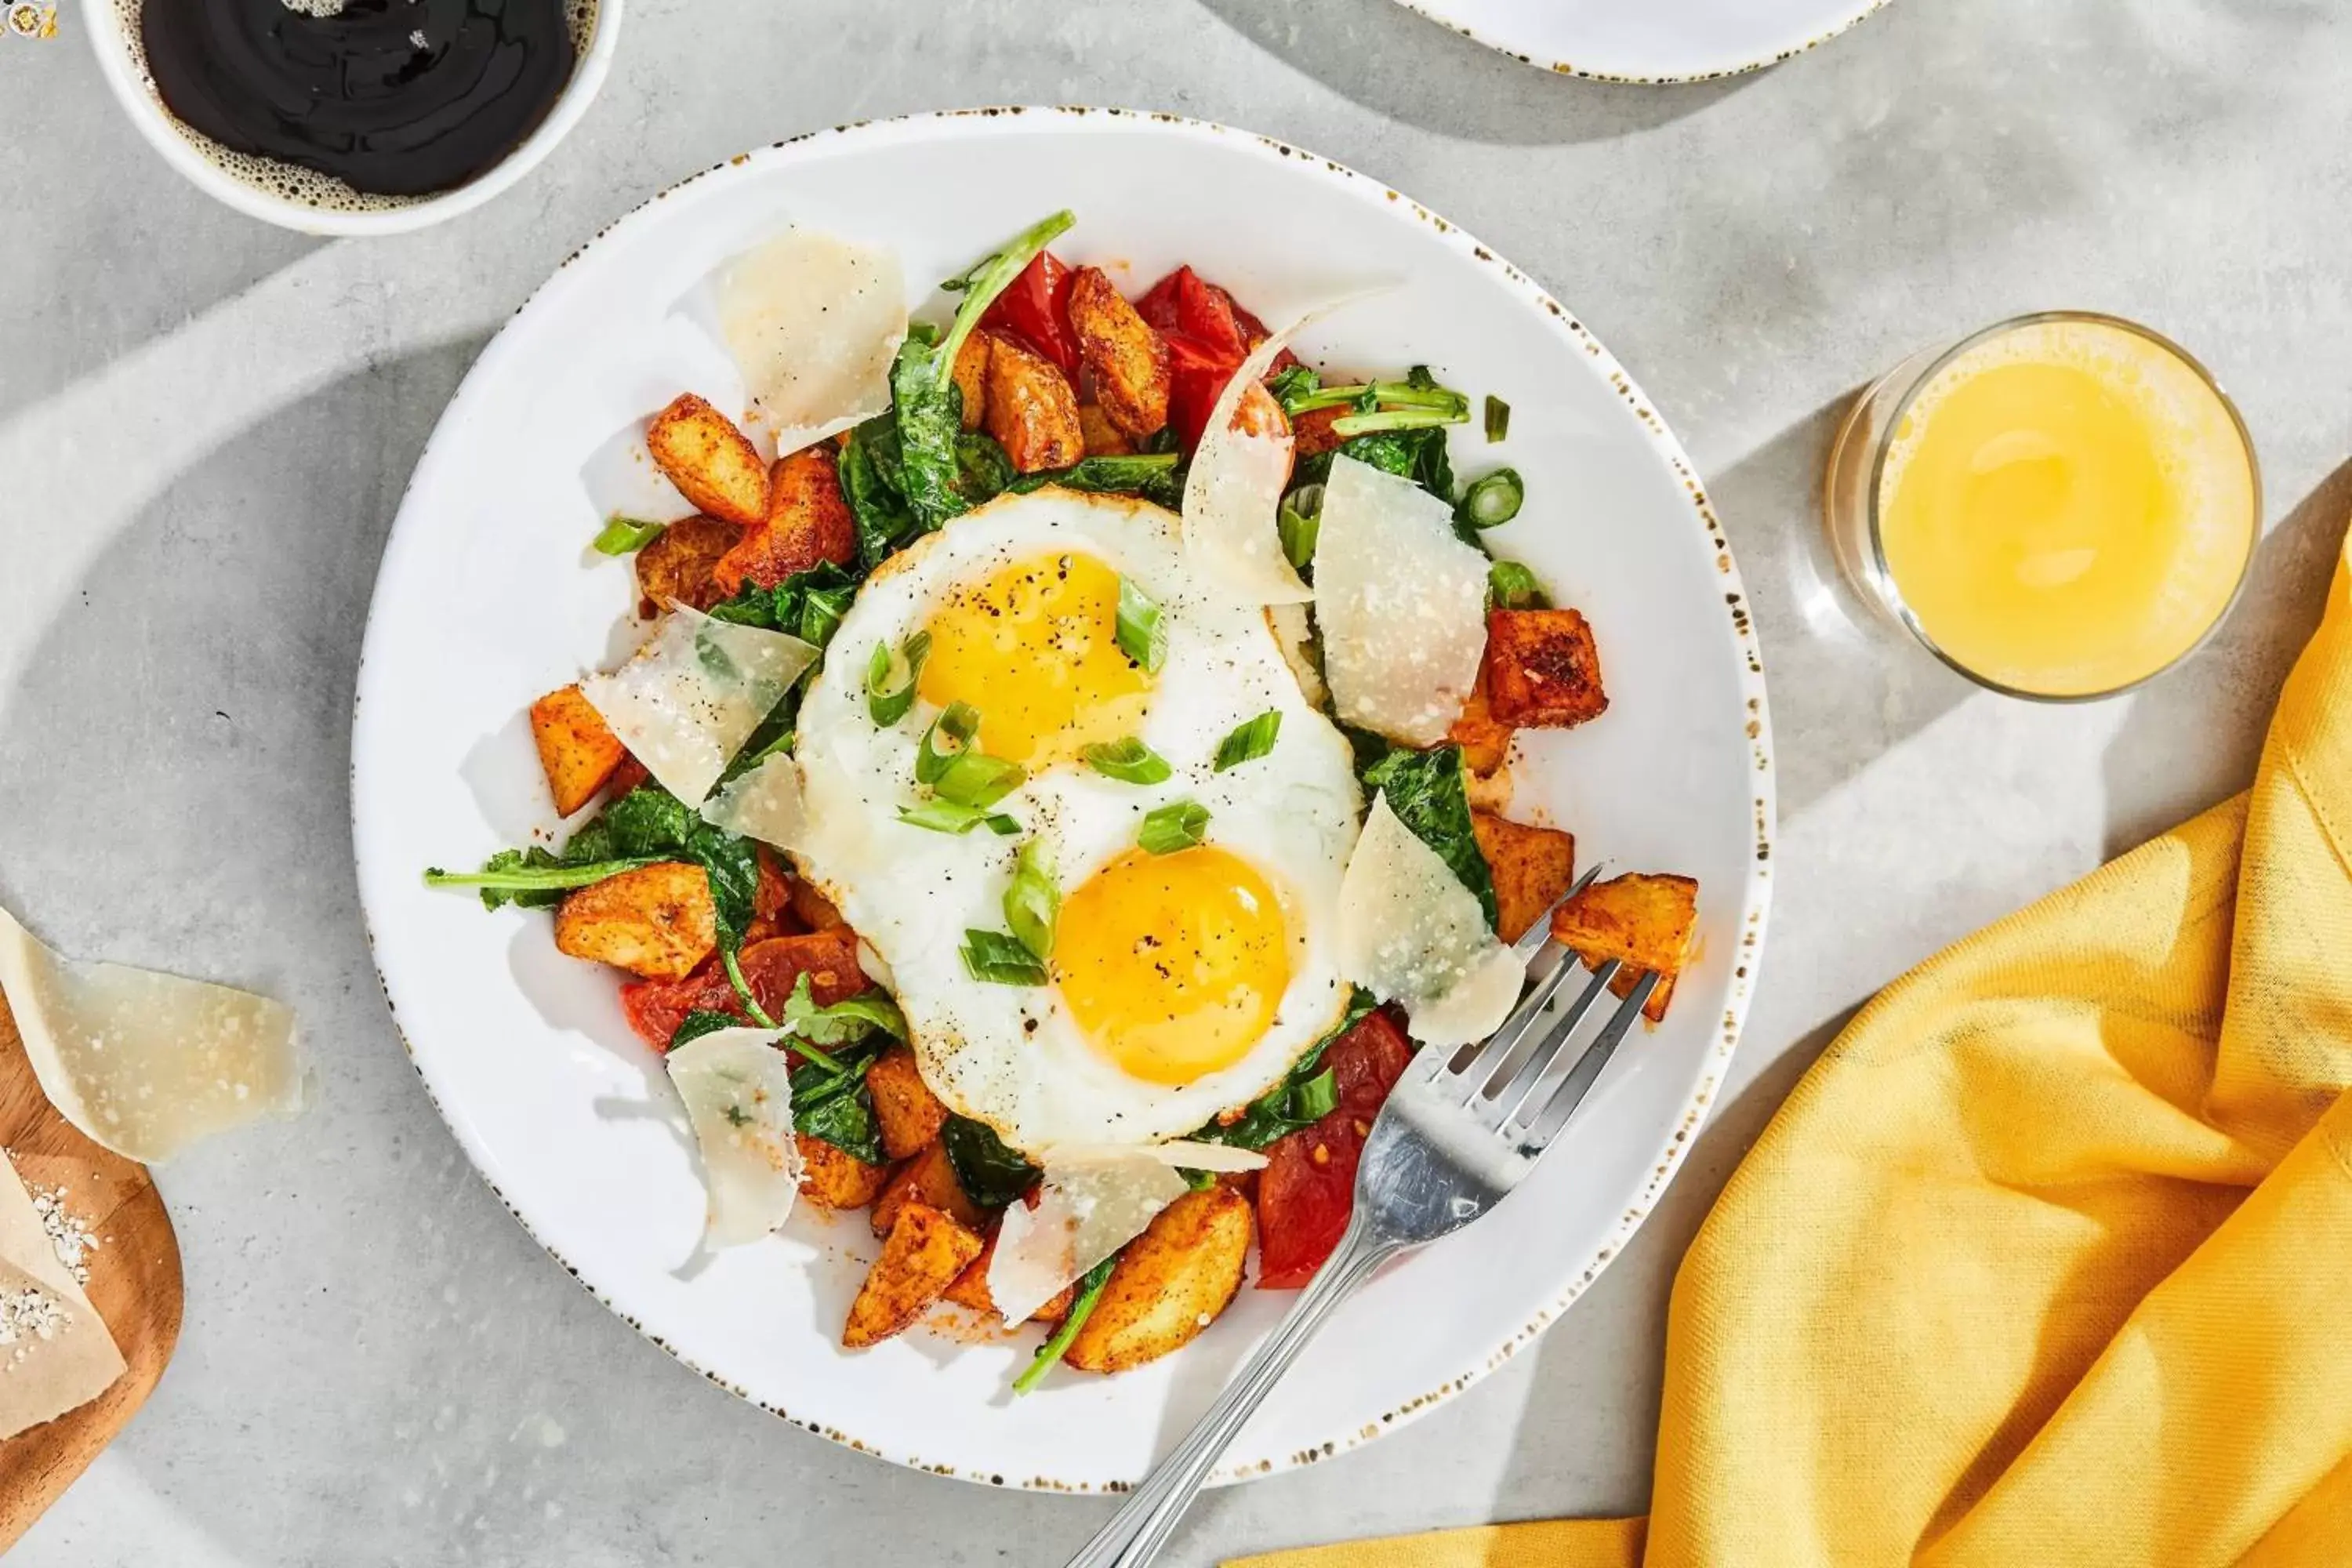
(1057, 1344)
(1157, 477)
(990, 1175)
(1426, 789)
(1306, 1094)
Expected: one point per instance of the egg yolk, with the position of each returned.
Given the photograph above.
(1034, 648)
(1172, 965)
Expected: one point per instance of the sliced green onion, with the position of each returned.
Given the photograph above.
(1250, 740)
(999, 959)
(977, 779)
(1513, 588)
(960, 723)
(1397, 419)
(889, 699)
(1127, 760)
(626, 535)
(1178, 824)
(1316, 1099)
(1198, 1180)
(1049, 1354)
(947, 817)
(1493, 501)
(1140, 634)
(1498, 420)
(1033, 901)
(1300, 523)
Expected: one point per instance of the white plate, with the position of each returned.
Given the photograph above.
(1658, 42)
(488, 597)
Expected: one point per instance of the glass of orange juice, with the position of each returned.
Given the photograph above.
(2058, 507)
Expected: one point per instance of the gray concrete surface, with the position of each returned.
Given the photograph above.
(206, 424)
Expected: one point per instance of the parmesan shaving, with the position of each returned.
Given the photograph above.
(737, 1089)
(143, 1063)
(1411, 932)
(1183, 1155)
(1233, 488)
(1091, 1204)
(1400, 602)
(764, 804)
(55, 1354)
(813, 322)
(690, 698)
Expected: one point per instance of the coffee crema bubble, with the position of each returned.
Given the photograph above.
(368, 105)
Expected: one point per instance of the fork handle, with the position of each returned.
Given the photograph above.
(1142, 1525)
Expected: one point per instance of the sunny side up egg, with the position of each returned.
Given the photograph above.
(1179, 984)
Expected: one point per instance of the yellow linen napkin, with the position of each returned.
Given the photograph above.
(2048, 1261)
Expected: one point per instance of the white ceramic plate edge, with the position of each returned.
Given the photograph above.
(1576, 1273)
(1444, 12)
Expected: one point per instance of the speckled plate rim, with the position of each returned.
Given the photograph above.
(1444, 12)
(1578, 1273)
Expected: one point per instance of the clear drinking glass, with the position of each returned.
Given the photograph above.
(2205, 446)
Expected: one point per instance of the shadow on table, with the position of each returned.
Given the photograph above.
(2191, 737)
(1555, 1419)
(1424, 74)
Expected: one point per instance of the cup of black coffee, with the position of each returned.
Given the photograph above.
(354, 116)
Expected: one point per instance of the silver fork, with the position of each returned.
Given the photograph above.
(1461, 1128)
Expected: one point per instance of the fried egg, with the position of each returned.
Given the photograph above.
(1178, 985)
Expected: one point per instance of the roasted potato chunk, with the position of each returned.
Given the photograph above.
(909, 1114)
(1313, 431)
(929, 1179)
(1644, 921)
(808, 522)
(972, 378)
(1542, 670)
(921, 1257)
(657, 921)
(1486, 742)
(1128, 360)
(971, 1289)
(1532, 867)
(676, 567)
(1169, 1283)
(833, 1178)
(1102, 438)
(577, 751)
(1032, 410)
(713, 464)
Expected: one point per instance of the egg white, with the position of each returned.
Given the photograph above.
(1011, 1056)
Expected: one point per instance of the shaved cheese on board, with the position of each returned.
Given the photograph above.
(1233, 488)
(764, 804)
(55, 1353)
(1088, 1209)
(143, 1063)
(690, 698)
(1411, 932)
(1400, 602)
(737, 1090)
(814, 322)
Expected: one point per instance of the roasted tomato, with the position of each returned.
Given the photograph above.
(770, 968)
(1037, 308)
(1308, 1186)
(1208, 337)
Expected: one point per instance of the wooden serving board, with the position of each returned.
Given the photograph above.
(134, 1283)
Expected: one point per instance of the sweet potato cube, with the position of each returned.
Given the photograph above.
(576, 750)
(713, 464)
(1644, 921)
(920, 1259)
(676, 567)
(657, 921)
(1169, 1283)
(1128, 360)
(807, 522)
(1542, 670)
(1032, 409)
(1532, 867)
(833, 1178)
(929, 1179)
(1485, 741)
(971, 1289)
(812, 908)
(1102, 438)
(909, 1114)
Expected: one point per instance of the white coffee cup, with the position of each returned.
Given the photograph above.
(113, 26)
